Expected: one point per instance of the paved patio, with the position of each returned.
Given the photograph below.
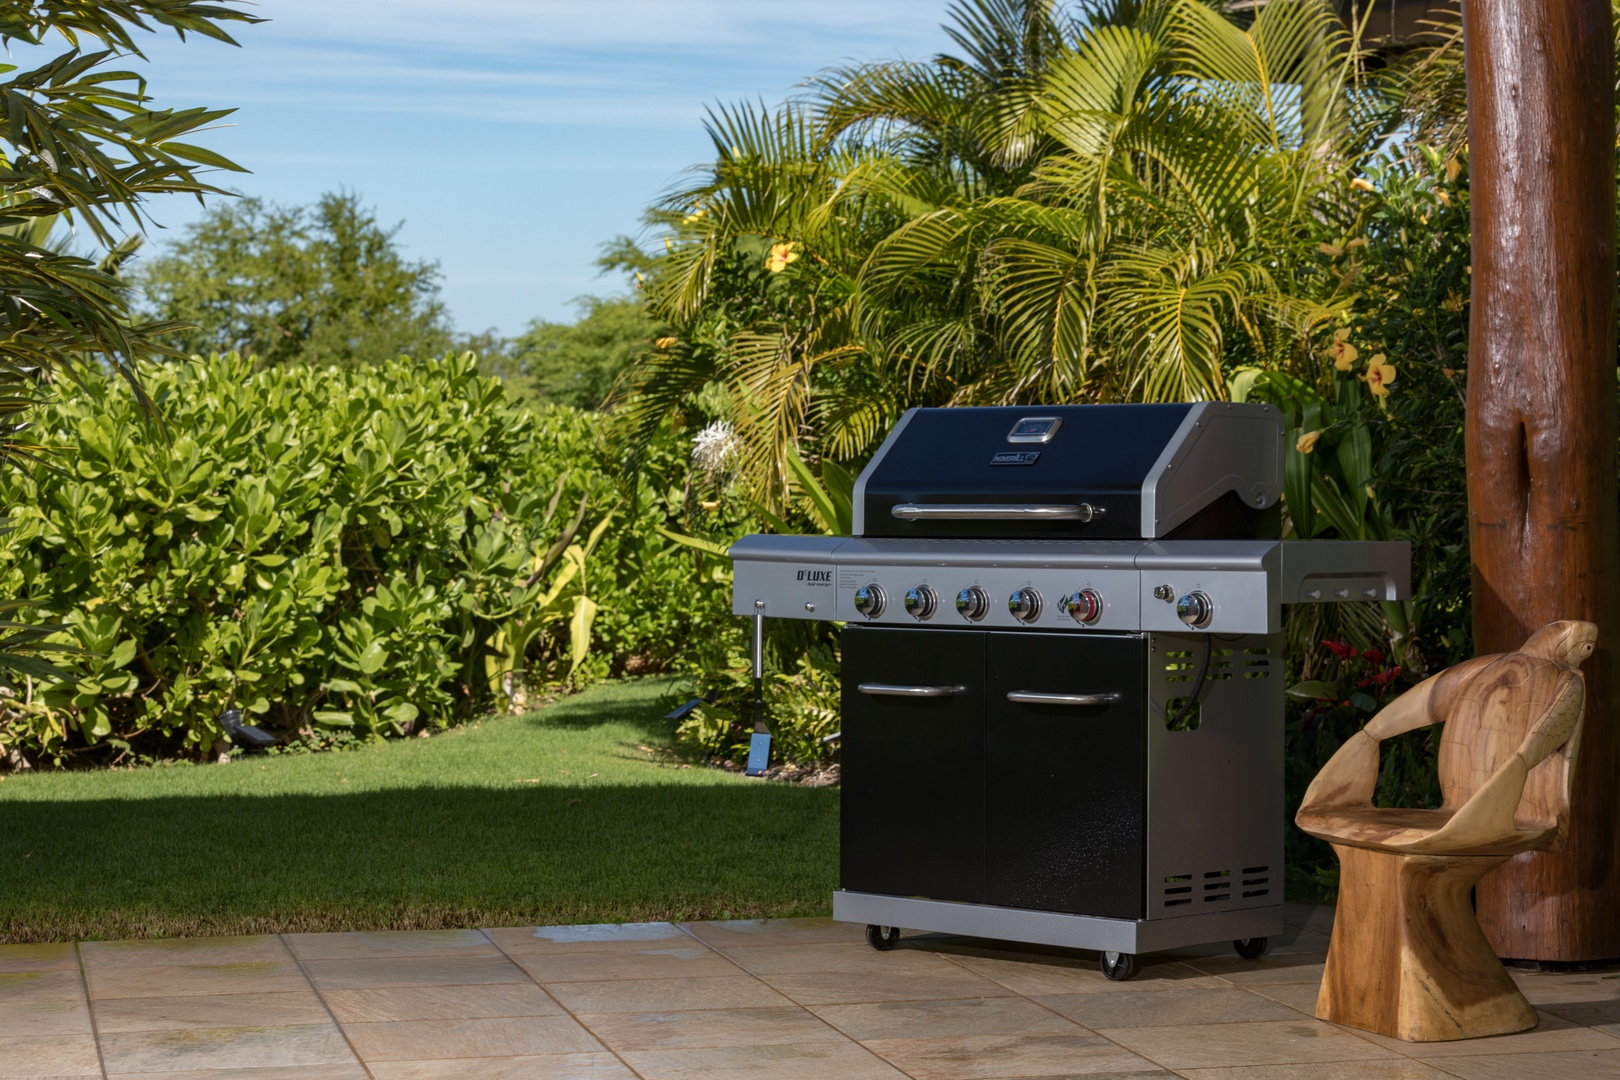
(790, 998)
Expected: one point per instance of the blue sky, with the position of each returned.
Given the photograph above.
(512, 137)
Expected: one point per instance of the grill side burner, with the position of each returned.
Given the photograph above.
(1063, 681)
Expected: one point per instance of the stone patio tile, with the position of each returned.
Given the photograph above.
(853, 988)
(22, 1016)
(200, 1049)
(732, 933)
(602, 937)
(357, 946)
(1567, 1065)
(169, 952)
(1304, 967)
(1396, 1069)
(801, 959)
(351, 1070)
(1281, 1042)
(211, 1011)
(1300, 997)
(48, 1056)
(934, 1019)
(665, 995)
(1033, 978)
(413, 971)
(248, 977)
(440, 1002)
(771, 1061)
(1545, 987)
(39, 986)
(45, 957)
(548, 1067)
(984, 1057)
(427, 1040)
(708, 1027)
(671, 961)
(1163, 1007)
(1554, 1033)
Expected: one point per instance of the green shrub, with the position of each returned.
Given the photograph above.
(371, 550)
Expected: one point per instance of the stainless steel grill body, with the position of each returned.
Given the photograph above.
(1029, 600)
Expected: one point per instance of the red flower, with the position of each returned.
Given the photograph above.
(1339, 649)
(1384, 678)
(1373, 655)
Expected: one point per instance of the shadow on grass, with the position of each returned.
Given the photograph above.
(415, 857)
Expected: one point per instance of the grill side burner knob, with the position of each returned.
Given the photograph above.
(973, 603)
(1195, 609)
(1025, 605)
(921, 602)
(1084, 607)
(870, 601)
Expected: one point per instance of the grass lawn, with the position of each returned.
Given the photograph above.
(577, 813)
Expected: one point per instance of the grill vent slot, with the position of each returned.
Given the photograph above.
(1178, 890)
(1216, 886)
(1256, 881)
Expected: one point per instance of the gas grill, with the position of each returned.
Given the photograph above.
(1063, 672)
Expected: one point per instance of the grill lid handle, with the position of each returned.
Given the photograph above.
(891, 690)
(1030, 697)
(997, 512)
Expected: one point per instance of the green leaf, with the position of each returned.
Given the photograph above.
(1314, 690)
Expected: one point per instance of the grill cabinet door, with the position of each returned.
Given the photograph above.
(913, 767)
(1065, 794)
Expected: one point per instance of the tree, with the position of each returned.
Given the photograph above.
(1124, 209)
(83, 143)
(291, 284)
(577, 363)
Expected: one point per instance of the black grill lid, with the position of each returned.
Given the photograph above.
(1203, 470)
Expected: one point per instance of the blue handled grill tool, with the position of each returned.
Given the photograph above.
(759, 744)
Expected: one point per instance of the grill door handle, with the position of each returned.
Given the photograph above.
(996, 511)
(877, 689)
(1031, 697)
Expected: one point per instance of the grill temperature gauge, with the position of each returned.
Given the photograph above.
(921, 602)
(1025, 605)
(1084, 607)
(869, 600)
(973, 602)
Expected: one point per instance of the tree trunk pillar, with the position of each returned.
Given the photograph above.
(1541, 438)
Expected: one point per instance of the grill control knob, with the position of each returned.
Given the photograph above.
(870, 601)
(921, 602)
(1084, 607)
(973, 603)
(1025, 605)
(1195, 609)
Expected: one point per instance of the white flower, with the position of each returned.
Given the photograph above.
(715, 448)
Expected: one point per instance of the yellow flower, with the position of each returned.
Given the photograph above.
(1361, 184)
(1307, 442)
(1454, 301)
(1445, 200)
(781, 255)
(665, 343)
(1380, 373)
(1358, 242)
(1341, 352)
(696, 216)
(1453, 167)
(1332, 250)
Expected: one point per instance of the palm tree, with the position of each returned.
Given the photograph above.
(1123, 207)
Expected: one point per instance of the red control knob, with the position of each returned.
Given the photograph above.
(1084, 607)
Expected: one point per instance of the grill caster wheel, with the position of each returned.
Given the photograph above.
(1118, 966)
(882, 938)
(1252, 948)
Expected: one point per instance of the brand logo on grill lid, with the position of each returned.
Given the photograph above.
(1015, 457)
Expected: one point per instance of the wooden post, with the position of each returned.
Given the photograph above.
(1543, 524)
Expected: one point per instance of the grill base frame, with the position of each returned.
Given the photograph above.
(1053, 928)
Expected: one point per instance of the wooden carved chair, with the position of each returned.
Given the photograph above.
(1408, 958)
